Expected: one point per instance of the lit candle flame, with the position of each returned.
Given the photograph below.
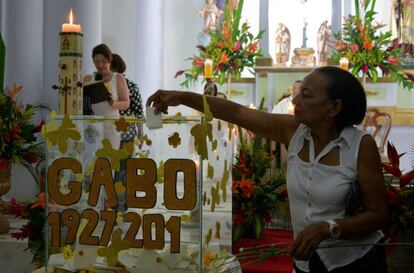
(71, 17)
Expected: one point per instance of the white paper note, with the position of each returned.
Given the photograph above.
(153, 121)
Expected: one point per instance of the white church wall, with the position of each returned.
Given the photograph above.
(119, 29)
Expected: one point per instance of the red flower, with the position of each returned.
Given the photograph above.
(24, 232)
(38, 128)
(17, 209)
(384, 70)
(179, 73)
(394, 166)
(393, 60)
(392, 197)
(218, 67)
(236, 46)
(198, 62)
(238, 218)
(31, 158)
(365, 68)
(354, 47)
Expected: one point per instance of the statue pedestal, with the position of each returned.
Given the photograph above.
(303, 57)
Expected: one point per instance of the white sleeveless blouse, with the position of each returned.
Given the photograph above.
(317, 192)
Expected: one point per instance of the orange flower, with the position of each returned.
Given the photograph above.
(220, 44)
(198, 62)
(16, 89)
(246, 185)
(253, 47)
(234, 187)
(368, 45)
(224, 58)
(40, 201)
(208, 257)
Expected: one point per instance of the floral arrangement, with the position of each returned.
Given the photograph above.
(257, 191)
(400, 192)
(231, 49)
(34, 212)
(368, 49)
(18, 141)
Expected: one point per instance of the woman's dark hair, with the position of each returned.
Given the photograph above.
(102, 49)
(117, 63)
(343, 86)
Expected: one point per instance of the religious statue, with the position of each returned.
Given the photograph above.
(324, 34)
(282, 44)
(303, 56)
(304, 38)
(211, 14)
(402, 25)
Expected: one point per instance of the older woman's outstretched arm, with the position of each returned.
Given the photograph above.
(279, 128)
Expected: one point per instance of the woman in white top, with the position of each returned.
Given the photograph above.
(116, 85)
(324, 160)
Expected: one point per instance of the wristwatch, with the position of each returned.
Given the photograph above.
(334, 229)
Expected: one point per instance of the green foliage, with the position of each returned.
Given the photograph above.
(257, 189)
(367, 48)
(18, 141)
(232, 48)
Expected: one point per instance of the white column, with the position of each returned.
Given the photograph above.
(149, 46)
(264, 24)
(119, 34)
(336, 18)
(86, 13)
(22, 32)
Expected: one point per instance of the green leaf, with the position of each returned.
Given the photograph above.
(258, 225)
(237, 232)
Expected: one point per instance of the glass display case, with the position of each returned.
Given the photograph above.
(124, 197)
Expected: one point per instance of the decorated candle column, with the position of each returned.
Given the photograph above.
(70, 64)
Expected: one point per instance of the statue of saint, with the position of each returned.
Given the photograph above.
(211, 14)
(282, 39)
(324, 34)
(402, 25)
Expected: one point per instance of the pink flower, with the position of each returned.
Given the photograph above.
(393, 60)
(354, 47)
(236, 46)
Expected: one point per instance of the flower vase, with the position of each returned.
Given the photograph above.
(4, 188)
